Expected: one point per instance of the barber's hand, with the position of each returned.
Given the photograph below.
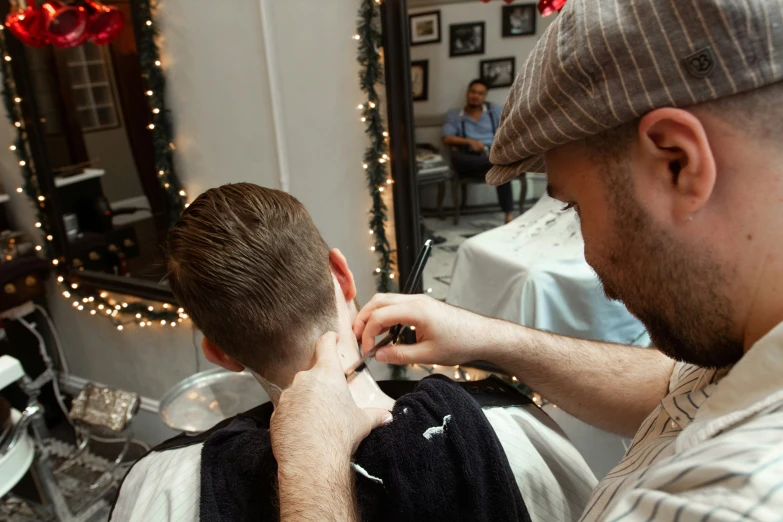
(444, 334)
(476, 146)
(316, 421)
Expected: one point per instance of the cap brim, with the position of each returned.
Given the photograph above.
(500, 174)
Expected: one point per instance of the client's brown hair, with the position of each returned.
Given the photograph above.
(250, 267)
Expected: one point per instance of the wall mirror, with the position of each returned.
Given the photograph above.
(89, 122)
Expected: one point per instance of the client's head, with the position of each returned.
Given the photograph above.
(254, 274)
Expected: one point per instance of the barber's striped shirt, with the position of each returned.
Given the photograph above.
(712, 450)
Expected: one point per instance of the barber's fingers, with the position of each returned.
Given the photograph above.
(384, 318)
(422, 353)
(326, 351)
(377, 302)
(377, 417)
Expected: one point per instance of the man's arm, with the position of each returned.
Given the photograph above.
(315, 429)
(612, 387)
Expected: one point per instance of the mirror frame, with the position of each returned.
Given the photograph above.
(97, 281)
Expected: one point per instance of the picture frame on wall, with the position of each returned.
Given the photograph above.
(466, 39)
(498, 72)
(519, 20)
(424, 28)
(420, 80)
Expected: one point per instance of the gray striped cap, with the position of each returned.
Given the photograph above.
(603, 63)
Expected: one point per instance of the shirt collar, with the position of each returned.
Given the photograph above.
(484, 109)
(752, 385)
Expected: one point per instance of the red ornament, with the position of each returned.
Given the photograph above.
(29, 25)
(65, 24)
(547, 7)
(105, 23)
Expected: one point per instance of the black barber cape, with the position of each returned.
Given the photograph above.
(439, 459)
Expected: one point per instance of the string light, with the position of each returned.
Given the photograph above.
(49, 237)
(7, 58)
(41, 198)
(38, 248)
(142, 324)
(37, 224)
(101, 307)
(377, 270)
(150, 308)
(80, 307)
(360, 106)
(155, 111)
(125, 305)
(372, 249)
(22, 163)
(380, 189)
(104, 295)
(18, 124)
(93, 312)
(372, 105)
(151, 126)
(391, 276)
(149, 22)
(385, 134)
(18, 99)
(55, 262)
(20, 190)
(149, 93)
(182, 193)
(119, 327)
(60, 279)
(371, 232)
(12, 147)
(66, 294)
(357, 37)
(181, 310)
(157, 63)
(163, 322)
(138, 316)
(364, 119)
(165, 306)
(429, 290)
(388, 181)
(364, 165)
(74, 286)
(413, 329)
(381, 160)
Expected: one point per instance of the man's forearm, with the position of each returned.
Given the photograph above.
(610, 386)
(320, 493)
(456, 140)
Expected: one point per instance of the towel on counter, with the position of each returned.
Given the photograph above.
(438, 460)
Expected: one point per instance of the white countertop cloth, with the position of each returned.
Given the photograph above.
(533, 272)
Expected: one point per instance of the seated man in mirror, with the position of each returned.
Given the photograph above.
(469, 132)
(255, 275)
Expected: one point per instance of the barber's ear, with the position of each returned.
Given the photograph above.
(343, 274)
(678, 159)
(217, 356)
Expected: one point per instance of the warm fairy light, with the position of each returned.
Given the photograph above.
(166, 185)
(360, 106)
(364, 119)
(157, 63)
(75, 304)
(19, 190)
(41, 198)
(364, 165)
(125, 305)
(434, 366)
(37, 224)
(382, 160)
(456, 375)
(12, 147)
(150, 308)
(184, 316)
(467, 376)
(91, 299)
(182, 193)
(66, 294)
(18, 99)
(38, 248)
(385, 134)
(74, 286)
(155, 111)
(371, 232)
(55, 262)
(151, 126)
(80, 307)
(101, 307)
(181, 310)
(173, 324)
(17, 124)
(22, 163)
(391, 276)
(138, 316)
(49, 237)
(372, 105)
(165, 306)
(429, 290)
(388, 181)
(119, 327)
(93, 312)
(372, 249)
(160, 173)
(7, 58)
(149, 93)
(163, 322)
(413, 329)
(514, 379)
(385, 156)
(117, 307)
(60, 279)
(380, 189)
(104, 294)
(357, 37)
(149, 22)
(377, 270)
(142, 324)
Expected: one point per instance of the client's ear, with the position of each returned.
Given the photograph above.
(217, 356)
(343, 274)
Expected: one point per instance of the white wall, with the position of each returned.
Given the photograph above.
(219, 90)
(449, 77)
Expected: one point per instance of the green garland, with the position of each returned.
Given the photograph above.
(375, 158)
(30, 185)
(139, 312)
(161, 127)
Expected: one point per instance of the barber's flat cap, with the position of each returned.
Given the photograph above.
(603, 63)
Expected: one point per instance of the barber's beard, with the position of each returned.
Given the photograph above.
(673, 288)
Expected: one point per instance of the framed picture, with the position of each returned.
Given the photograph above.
(498, 72)
(466, 39)
(419, 80)
(519, 20)
(425, 28)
